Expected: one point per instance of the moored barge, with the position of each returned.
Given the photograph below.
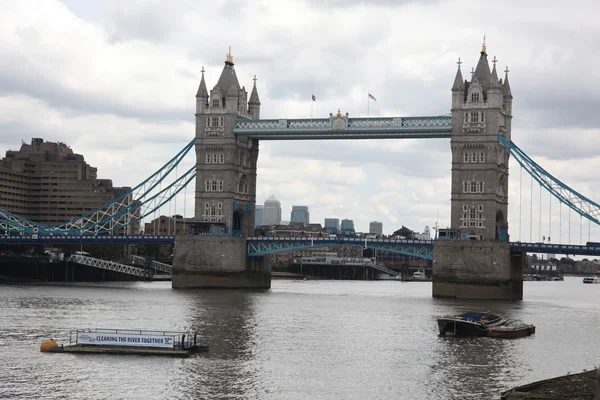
(128, 341)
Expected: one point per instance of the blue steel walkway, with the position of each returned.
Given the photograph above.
(258, 246)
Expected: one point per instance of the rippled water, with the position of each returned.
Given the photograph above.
(299, 340)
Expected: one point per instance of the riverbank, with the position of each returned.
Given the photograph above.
(580, 386)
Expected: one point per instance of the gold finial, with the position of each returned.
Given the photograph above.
(483, 46)
(229, 57)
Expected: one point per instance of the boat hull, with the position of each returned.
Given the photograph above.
(461, 328)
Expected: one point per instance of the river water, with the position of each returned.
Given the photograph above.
(299, 340)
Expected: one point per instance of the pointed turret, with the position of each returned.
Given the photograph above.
(228, 78)
(494, 78)
(482, 71)
(201, 95)
(458, 80)
(506, 86)
(254, 103)
(202, 92)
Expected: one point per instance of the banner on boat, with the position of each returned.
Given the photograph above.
(124, 339)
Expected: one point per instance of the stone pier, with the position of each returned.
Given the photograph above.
(217, 262)
(477, 270)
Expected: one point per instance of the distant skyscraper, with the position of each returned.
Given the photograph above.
(332, 225)
(272, 211)
(300, 214)
(376, 228)
(348, 226)
(258, 216)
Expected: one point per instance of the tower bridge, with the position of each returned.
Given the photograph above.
(474, 257)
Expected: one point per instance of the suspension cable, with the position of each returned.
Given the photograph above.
(520, 201)
(549, 216)
(540, 221)
(531, 210)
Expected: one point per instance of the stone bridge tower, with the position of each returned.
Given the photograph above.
(214, 255)
(472, 259)
(225, 164)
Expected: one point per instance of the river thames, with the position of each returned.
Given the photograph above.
(299, 340)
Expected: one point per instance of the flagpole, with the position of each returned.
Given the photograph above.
(368, 104)
(311, 106)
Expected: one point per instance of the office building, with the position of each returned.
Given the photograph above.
(272, 211)
(348, 227)
(332, 225)
(47, 183)
(258, 215)
(376, 228)
(300, 214)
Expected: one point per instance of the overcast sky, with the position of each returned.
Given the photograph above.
(116, 81)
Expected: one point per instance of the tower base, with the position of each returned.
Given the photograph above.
(466, 269)
(217, 262)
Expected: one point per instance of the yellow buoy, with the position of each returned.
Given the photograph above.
(47, 345)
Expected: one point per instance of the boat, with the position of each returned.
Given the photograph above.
(420, 275)
(127, 341)
(469, 324)
(591, 279)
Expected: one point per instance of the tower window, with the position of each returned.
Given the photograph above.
(474, 116)
(215, 103)
(215, 121)
(475, 97)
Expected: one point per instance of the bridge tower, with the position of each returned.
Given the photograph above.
(215, 254)
(472, 258)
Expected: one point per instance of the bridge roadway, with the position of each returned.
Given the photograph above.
(268, 245)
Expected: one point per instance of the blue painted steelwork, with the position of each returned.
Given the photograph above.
(342, 127)
(258, 246)
(118, 214)
(589, 249)
(574, 200)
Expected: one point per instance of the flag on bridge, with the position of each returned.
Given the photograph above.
(314, 98)
(372, 97)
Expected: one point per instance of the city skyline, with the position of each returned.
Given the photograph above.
(128, 115)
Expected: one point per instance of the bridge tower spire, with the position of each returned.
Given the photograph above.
(478, 259)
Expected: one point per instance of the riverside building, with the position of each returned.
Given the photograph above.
(47, 183)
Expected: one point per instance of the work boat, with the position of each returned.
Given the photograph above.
(591, 279)
(469, 324)
(419, 276)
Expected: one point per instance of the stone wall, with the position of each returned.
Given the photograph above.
(476, 270)
(217, 262)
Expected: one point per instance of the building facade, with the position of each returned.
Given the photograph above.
(300, 214)
(258, 216)
(376, 228)
(272, 211)
(332, 225)
(347, 226)
(47, 183)
(165, 225)
(226, 164)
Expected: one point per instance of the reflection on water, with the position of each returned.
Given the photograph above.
(299, 340)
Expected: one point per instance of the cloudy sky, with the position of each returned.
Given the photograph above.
(116, 81)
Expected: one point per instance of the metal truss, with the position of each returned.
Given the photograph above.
(574, 200)
(152, 264)
(109, 265)
(119, 214)
(342, 127)
(258, 246)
